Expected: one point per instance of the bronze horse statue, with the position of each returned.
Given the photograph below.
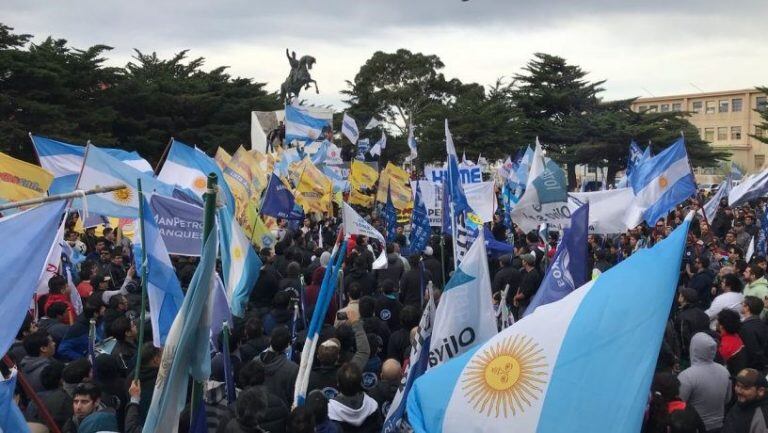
(298, 78)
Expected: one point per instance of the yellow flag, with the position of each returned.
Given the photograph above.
(359, 199)
(362, 176)
(222, 157)
(238, 175)
(256, 230)
(395, 180)
(314, 191)
(21, 180)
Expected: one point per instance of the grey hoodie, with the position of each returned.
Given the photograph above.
(705, 384)
(32, 366)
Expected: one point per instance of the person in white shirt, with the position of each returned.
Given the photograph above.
(731, 298)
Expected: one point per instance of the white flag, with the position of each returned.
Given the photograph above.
(354, 224)
(373, 123)
(349, 128)
(750, 249)
(379, 146)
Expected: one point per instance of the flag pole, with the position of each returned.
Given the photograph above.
(164, 156)
(57, 197)
(209, 222)
(144, 280)
(27, 387)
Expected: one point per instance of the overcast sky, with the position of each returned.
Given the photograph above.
(643, 48)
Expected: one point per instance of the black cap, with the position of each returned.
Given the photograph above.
(750, 377)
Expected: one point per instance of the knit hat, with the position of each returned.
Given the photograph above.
(98, 422)
(325, 258)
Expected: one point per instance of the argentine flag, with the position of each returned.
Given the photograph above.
(304, 124)
(65, 160)
(349, 128)
(240, 263)
(188, 167)
(102, 169)
(163, 287)
(581, 364)
(660, 183)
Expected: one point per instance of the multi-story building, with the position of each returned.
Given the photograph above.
(725, 119)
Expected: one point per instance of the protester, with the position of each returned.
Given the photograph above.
(705, 385)
(749, 412)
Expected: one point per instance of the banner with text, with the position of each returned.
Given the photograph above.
(180, 224)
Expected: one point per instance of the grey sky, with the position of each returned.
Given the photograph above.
(661, 46)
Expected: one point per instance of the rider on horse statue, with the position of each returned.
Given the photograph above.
(298, 78)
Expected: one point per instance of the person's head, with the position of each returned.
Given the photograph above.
(50, 375)
(293, 270)
(349, 378)
(687, 296)
(317, 403)
(683, 421)
(266, 255)
(280, 339)
(57, 284)
(57, 310)
(529, 260)
(253, 328)
(301, 421)
(105, 255)
(281, 300)
(409, 317)
(391, 370)
(117, 256)
(728, 321)
(328, 352)
(99, 282)
(109, 234)
(118, 303)
(123, 329)
(354, 291)
(701, 263)
(731, 283)
(150, 355)
(76, 371)
(751, 306)
(413, 260)
(750, 386)
(753, 273)
(367, 307)
(86, 399)
(94, 307)
(730, 237)
(738, 227)
(250, 406)
(251, 374)
(40, 344)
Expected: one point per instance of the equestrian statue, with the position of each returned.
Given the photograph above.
(298, 78)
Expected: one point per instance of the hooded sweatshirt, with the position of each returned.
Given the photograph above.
(705, 385)
(280, 374)
(356, 413)
(32, 366)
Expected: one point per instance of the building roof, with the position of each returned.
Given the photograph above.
(696, 95)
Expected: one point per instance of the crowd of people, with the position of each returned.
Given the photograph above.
(711, 371)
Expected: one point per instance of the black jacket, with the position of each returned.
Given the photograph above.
(280, 375)
(702, 283)
(363, 278)
(388, 309)
(690, 320)
(266, 287)
(435, 269)
(394, 270)
(506, 275)
(411, 287)
(754, 334)
(740, 417)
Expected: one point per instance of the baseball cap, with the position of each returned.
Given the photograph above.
(750, 377)
(528, 258)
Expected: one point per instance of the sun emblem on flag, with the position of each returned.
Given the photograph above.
(199, 183)
(237, 253)
(123, 195)
(663, 182)
(505, 378)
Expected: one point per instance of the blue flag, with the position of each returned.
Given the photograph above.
(390, 218)
(11, 418)
(279, 201)
(28, 237)
(420, 228)
(163, 287)
(569, 266)
(496, 248)
(635, 155)
(239, 261)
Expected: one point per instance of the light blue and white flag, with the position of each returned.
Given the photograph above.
(304, 124)
(239, 261)
(564, 367)
(11, 418)
(379, 145)
(750, 188)
(660, 183)
(465, 316)
(163, 287)
(459, 209)
(373, 123)
(28, 236)
(288, 157)
(413, 145)
(186, 352)
(65, 160)
(349, 128)
(523, 168)
(102, 169)
(546, 195)
(188, 167)
(710, 207)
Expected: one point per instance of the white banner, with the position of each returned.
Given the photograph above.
(481, 198)
(607, 209)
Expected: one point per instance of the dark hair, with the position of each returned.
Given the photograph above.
(301, 421)
(665, 388)
(92, 390)
(531, 237)
(93, 305)
(390, 248)
(293, 270)
(683, 421)
(253, 328)
(729, 320)
(50, 375)
(106, 367)
(757, 271)
(280, 338)
(115, 300)
(36, 341)
(387, 286)
(414, 260)
(354, 291)
(57, 284)
(349, 378)
(754, 304)
(690, 295)
(76, 371)
(281, 300)
(26, 326)
(147, 353)
(56, 309)
(367, 306)
(119, 327)
(318, 404)
(250, 406)
(704, 262)
(251, 374)
(733, 282)
(409, 317)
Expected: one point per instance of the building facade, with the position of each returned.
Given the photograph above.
(724, 119)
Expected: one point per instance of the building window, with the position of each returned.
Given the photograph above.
(735, 132)
(759, 161)
(677, 106)
(762, 102)
(710, 107)
(722, 133)
(696, 107)
(759, 131)
(642, 108)
(736, 104)
(709, 134)
(722, 106)
(653, 108)
(664, 108)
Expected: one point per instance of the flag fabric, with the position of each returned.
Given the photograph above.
(762, 234)
(460, 212)
(327, 290)
(238, 176)
(163, 287)
(750, 188)
(413, 145)
(349, 128)
(710, 207)
(373, 123)
(221, 157)
(64, 161)
(418, 239)
(256, 230)
(21, 180)
(568, 269)
(494, 248)
(186, 351)
(31, 233)
(239, 261)
(53, 261)
(188, 167)
(362, 176)
(465, 316)
(390, 219)
(279, 201)
(523, 169)
(102, 169)
(379, 145)
(354, 224)
(283, 164)
(11, 418)
(314, 192)
(536, 373)
(358, 198)
(220, 310)
(635, 156)
(418, 363)
(661, 182)
(394, 180)
(304, 123)
(750, 250)
(180, 224)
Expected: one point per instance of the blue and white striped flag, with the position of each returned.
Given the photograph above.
(163, 287)
(412, 144)
(186, 352)
(349, 128)
(239, 261)
(304, 123)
